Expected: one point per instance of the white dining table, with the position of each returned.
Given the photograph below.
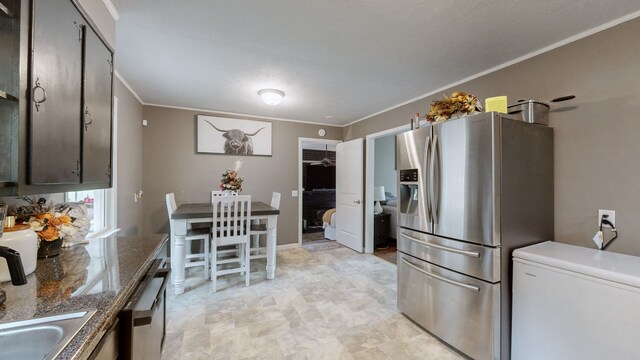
(191, 213)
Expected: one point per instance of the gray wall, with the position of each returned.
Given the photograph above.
(129, 172)
(385, 163)
(172, 165)
(596, 135)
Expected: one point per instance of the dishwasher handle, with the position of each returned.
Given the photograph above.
(143, 317)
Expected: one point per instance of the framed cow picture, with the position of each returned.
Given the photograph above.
(217, 135)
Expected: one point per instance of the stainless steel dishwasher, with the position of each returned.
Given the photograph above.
(143, 318)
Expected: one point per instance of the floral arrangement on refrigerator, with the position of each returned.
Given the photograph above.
(459, 104)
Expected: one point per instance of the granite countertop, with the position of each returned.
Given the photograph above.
(100, 275)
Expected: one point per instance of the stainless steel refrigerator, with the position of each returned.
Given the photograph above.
(471, 191)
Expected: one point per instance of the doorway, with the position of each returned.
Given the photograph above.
(316, 190)
(381, 192)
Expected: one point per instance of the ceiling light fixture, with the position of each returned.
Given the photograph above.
(271, 96)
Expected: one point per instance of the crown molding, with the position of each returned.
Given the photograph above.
(242, 114)
(112, 9)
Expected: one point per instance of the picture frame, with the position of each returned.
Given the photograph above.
(238, 137)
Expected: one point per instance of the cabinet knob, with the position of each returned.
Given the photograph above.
(37, 101)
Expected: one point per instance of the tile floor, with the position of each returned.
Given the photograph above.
(333, 304)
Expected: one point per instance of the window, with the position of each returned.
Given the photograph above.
(96, 207)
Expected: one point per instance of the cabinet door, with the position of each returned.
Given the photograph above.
(96, 147)
(56, 79)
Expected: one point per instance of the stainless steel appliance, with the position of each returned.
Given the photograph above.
(471, 190)
(143, 319)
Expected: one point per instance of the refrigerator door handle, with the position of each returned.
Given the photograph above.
(443, 248)
(441, 278)
(434, 179)
(427, 180)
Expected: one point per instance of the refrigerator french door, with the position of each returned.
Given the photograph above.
(470, 191)
(463, 178)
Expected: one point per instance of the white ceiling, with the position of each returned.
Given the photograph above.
(347, 59)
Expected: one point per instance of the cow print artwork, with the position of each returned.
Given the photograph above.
(237, 142)
(227, 136)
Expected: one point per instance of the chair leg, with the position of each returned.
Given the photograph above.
(247, 257)
(241, 251)
(214, 265)
(207, 257)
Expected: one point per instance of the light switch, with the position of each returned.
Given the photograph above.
(294, 193)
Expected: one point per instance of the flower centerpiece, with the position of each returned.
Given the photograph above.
(52, 223)
(231, 181)
(459, 104)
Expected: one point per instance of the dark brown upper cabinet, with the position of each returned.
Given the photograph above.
(96, 140)
(70, 98)
(56, 93)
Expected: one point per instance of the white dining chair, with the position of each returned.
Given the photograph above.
(228, 249)
(201, 235)
(222, 193)
(258, 229)
(230, 226)
(215, 193)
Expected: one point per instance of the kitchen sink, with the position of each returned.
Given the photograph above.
(40, 338)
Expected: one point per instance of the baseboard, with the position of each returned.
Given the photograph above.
(288, 246)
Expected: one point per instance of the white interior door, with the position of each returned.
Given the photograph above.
(349, 194)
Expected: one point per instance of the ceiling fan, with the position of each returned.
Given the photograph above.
(326, 162)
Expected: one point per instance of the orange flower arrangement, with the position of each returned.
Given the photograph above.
(51, 226)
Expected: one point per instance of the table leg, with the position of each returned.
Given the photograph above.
(271, 248)
(178, 254)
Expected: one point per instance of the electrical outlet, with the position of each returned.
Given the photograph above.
(294, 193)
(612, 217)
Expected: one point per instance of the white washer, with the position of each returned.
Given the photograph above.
(572, 302)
